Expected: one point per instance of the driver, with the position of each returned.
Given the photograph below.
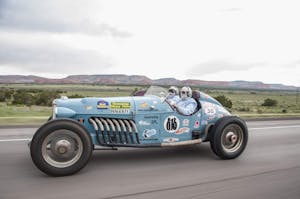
(186, 105)
(173, 97)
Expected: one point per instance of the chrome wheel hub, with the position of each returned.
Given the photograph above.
(232, 138)
(62, 148)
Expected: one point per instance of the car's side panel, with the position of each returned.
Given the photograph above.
(155, 121)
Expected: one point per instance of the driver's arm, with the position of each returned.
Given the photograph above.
(187, 110)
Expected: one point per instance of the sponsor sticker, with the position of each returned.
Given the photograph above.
(210, 111)
(144, 105)
(197, 124)
(144, 123)
(171, 124)
(148, 133)
(182, 130)
(170, 140)
(88, 108)
(102, 104)
(120, 105)
(185, 122)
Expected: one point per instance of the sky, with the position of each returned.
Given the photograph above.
(217, 40)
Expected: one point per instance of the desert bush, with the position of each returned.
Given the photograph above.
(269, 102)
(224, 101)
(243, 109)
(45, 98)
(259, 111)
(5, 94)
(75, 96)
(22, 97)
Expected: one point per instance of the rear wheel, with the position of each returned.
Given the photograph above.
(61, 147)
(229, 137)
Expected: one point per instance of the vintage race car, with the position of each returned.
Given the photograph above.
(64, 144)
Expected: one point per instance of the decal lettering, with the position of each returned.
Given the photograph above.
(120, 111)
(171, 124)
(210, 111)
(120, 107)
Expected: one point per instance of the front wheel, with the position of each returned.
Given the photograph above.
(61, 147)
(229, 137)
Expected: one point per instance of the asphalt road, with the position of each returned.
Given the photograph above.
(269, 168)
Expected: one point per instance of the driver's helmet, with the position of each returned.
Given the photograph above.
(173, 90)
(185, 92)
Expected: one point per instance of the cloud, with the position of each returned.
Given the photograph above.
(55, 16)
(216, 66)
(51, 58)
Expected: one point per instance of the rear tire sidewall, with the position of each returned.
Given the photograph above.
(216, 137)
(47, 129)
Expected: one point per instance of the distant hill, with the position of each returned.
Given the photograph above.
(117, 79)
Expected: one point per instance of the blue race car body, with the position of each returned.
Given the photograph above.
(143, 120)
(64, 144)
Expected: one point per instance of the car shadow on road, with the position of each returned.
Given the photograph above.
(128, 155)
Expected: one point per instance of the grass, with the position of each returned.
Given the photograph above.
(246, 103)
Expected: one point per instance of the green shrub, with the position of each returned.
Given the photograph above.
(243, 109)
(5, 94)
(2, 96)
(76, 96)
(45, 98)
(269, 102)
(23, 97)
(224, 101)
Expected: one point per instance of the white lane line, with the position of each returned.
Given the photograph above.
(16, 140)
(275, 127)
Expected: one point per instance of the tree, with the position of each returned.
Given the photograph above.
(224, 101)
